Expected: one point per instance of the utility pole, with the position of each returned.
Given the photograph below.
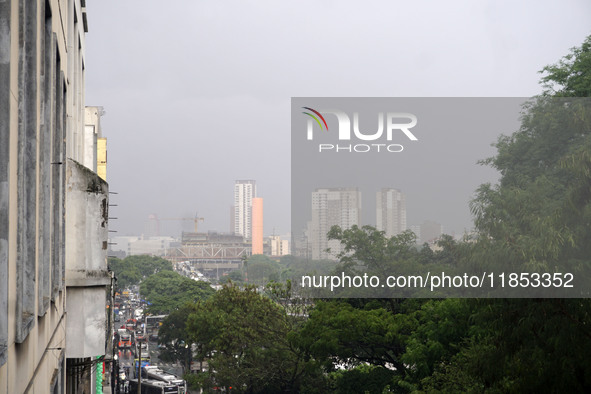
(244, 259)
(139, 369)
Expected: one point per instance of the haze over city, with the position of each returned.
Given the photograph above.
(182, 185)
(197, 94)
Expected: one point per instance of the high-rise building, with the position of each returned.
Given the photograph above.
(257, 225)
(244, 192)
(92, 147)
(390, 211)
(330, 207)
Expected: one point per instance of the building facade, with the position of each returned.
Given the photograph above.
(46, 195)
(278, 247)
(257, 225)
(244, 192)
(93, 147)
(330, 207)
(390, 211)
(87, 279)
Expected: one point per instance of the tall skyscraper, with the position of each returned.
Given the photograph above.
(330, 207)
(244, 192)
(257, 225)
(390, 211)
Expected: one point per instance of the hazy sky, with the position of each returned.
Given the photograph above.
(197, 93)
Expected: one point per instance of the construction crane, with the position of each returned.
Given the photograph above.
(195, 220)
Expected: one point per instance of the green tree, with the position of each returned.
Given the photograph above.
(244, 337)
(570, 76)
(174, 336)
(389, 343)
(127, 274)
(364, 378)
(168, 291)
(294, 267)
(536, 218)
(235, 276)
(340, 333)
(133, 269)
(368, 252)
(261, 269)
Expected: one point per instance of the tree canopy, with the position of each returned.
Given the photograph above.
(133, 269)
(570, 76)
(173, 335)
(167, 291)
(244, 336)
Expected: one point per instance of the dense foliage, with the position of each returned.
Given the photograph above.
(133, 269)
(260, 269)
(173, 336)
(245, 338)
(167, 291)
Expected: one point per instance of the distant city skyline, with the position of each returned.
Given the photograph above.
(343, 206)
(438, 169)
(196, 106)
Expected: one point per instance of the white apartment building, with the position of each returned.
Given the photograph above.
(390, 211)
(330, 207)
(244, 192)
(279, 247)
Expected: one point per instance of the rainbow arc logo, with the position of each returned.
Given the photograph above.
(315, 118)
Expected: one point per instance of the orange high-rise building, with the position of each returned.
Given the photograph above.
(257, 225)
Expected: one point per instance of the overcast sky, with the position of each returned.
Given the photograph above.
(197, 93)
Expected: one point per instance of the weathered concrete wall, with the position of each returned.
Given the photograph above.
(87, 200)
(27, 169)
(86, 324)
(87, 277)
(37, 52)
(4, 170)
